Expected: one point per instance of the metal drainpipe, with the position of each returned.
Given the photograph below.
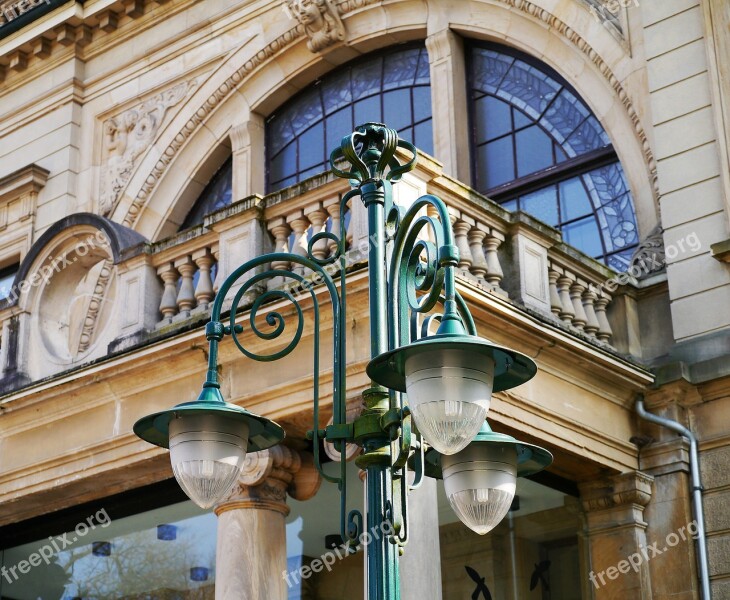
(695, 486)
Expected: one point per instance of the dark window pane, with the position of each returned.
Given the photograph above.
(489, 68)
(521, 119)
(423, 76)
(216, 195)
(306, 112)
(367, 78)
(585, 236)
(510, 205)
(312, 141)
(492, 118)
(496, 163)
(564, 116)
(284, 163)
(399, 69)
(406, 134)
(574, 201)
(336, 92)
(589, 136)
(421, 103)
(424, 137)
(339, 125)
(528, 89)
(397, 109)
(368, 110)
(534, 151)
(542, 204)
(7, 276)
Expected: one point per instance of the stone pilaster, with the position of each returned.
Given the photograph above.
(251, 551)
(617, 535)
(247, 141)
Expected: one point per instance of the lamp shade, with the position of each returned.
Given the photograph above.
(480, 484)
(207, 452)
(208, 441)
(449, 379)
(480, 481)
(449, 392)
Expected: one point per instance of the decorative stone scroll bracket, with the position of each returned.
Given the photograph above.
(268, 476)
(621, 499)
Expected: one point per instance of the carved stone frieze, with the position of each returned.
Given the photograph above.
(127, 136)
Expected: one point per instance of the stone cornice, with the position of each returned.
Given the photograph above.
(28, 180)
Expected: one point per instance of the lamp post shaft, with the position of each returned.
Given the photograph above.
(381, 556)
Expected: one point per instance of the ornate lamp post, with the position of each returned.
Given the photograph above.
(449, 377)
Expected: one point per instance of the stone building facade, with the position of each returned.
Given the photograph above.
(150, 146)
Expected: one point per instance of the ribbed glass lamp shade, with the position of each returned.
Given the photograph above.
(480, 484)
(207, 453)
(449, 392)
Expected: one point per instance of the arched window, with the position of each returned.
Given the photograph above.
(392, 88)
(537, 147)
(216, 195)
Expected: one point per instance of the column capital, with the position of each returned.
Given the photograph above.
(633, 487)
(268, 476)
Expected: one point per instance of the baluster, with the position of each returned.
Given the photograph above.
(604, 329)
(556, 306)
(168, 303)
(318, 217)
(186, 295)
(299, 224)
(476, 237)
(204, 290)
(461, 226)
(280, 229)
(216, 251)
(566, 304)
(332, 206)
(589, 299)
(576, 296)
(494, 269)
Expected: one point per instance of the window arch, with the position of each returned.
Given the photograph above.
(217, 194)
(393, 88)
(537, 147)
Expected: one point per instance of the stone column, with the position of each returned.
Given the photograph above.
(417, 581)
(251, 550)
(448, 100)
(616, 531)
(249, 162)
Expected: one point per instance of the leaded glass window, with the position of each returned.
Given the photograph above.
(216, 195)
(392, 88)
(537, 147)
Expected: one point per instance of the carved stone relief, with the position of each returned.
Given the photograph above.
(127, 136)
(321, 22)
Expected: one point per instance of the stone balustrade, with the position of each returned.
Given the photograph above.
(511, 255)
(579, 302)
(189, 278)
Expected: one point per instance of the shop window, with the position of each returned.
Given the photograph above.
(167, 553)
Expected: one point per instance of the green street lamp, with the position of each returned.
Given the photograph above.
(442, 382)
